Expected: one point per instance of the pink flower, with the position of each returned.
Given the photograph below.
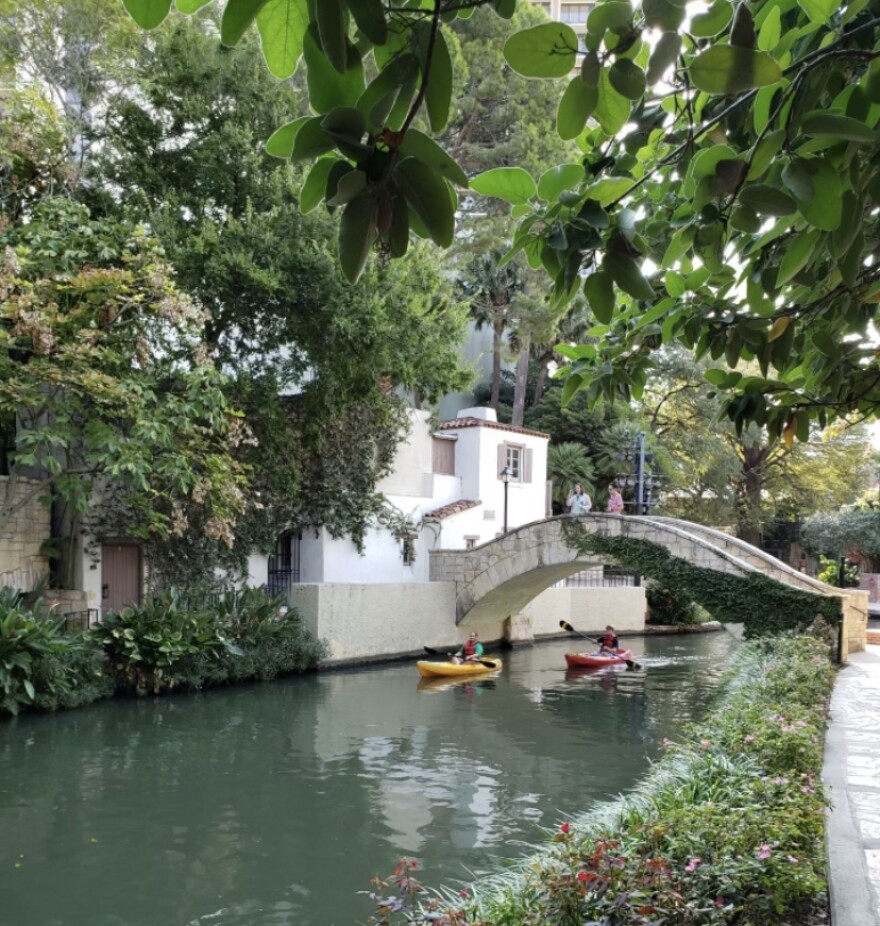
(693, 864)
(667, 741)
(791, 859)
(705, 744)
(764, 851)
(719, 901)
(582, 876)
(564, 827)
(464, 893)
(748, 738)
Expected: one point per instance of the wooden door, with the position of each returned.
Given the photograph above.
(120, 575)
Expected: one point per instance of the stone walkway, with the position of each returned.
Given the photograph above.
(852, 773)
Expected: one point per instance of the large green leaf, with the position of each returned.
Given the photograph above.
(428, 197)
(190, 6)
(311, 140)
(281, 141)
(627, 274)
(357, 232)
(825, 209)
(819, 11)
(575, 107)
(663, 14)
(798, 254)
(610, 14)
(612, 110)
(370, 18)
(332, 21)
(563, 177)
(386, 98)
(512, 184)
(312, 192)
(664, 56)
(282, 25)
(713, 21)
(327, 87)
(627, 78)
(726, 69)
(609, 189)
(844, 127)
(599, 290)
(438, 95)
(548, 50)
(147, 13)
(237, 17)
(418, 145)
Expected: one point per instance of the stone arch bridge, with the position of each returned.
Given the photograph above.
(505, 574)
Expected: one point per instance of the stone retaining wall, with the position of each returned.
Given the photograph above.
(21, 536)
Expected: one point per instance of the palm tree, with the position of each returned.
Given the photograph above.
(568, 464)
(490, 289)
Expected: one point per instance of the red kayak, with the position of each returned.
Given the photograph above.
(591, 659)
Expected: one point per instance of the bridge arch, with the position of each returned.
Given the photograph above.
(502, 576)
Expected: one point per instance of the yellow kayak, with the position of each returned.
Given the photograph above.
(429, 669)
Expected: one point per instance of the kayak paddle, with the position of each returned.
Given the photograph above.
(566, 626)
(437, 652)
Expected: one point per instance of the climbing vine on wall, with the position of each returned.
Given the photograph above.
(763, 605)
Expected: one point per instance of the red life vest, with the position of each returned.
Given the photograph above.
(469, 648)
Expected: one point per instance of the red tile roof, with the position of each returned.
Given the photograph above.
(483, 423)
(446, 511)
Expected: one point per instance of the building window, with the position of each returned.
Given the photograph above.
(517, 459)
(284, 563)
(574, 12)
(470, 542)
(409, 551)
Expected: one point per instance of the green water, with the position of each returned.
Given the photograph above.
(274, 805)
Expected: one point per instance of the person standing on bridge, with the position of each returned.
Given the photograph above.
(615, 500)
(579, 502)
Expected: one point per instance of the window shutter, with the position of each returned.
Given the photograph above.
(527, 465)
(502, 459)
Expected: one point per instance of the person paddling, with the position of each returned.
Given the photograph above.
(472, 650)
(608, 644)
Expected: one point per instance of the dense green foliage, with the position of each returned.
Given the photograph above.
(747, 162)
(764, 606)
(171, 643)
(168, 643)
(102, 373)
(668, 607)
(854, 533)
(40, 665)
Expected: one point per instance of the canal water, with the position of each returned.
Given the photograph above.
(275, 804)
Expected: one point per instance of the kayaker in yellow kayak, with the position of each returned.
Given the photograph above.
(472, 650)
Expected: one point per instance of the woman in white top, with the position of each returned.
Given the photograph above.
(579, 502)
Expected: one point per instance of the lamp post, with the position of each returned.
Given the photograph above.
(640, 476)
(505, 476)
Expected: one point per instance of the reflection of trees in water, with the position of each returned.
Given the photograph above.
(279, 802)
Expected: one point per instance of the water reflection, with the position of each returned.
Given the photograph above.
(275, 804)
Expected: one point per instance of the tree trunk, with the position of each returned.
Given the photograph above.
(497, 332)
(519, 392)
(541, 381)
(749, 489)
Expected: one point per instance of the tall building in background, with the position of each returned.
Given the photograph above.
(572, 12)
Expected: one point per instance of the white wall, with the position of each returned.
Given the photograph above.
(372, 620)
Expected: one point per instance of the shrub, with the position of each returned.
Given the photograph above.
(666, 606)
(40, 666)
(171, 643)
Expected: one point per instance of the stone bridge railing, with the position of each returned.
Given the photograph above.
(502, 576)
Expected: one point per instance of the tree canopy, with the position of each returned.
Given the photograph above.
(724, 197)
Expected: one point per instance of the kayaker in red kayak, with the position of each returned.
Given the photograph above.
(608, 644)
(472, 650)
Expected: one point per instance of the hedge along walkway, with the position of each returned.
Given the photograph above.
(852, 775)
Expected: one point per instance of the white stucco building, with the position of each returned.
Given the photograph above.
(447, 483)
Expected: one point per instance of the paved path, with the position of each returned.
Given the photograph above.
(852, 772)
